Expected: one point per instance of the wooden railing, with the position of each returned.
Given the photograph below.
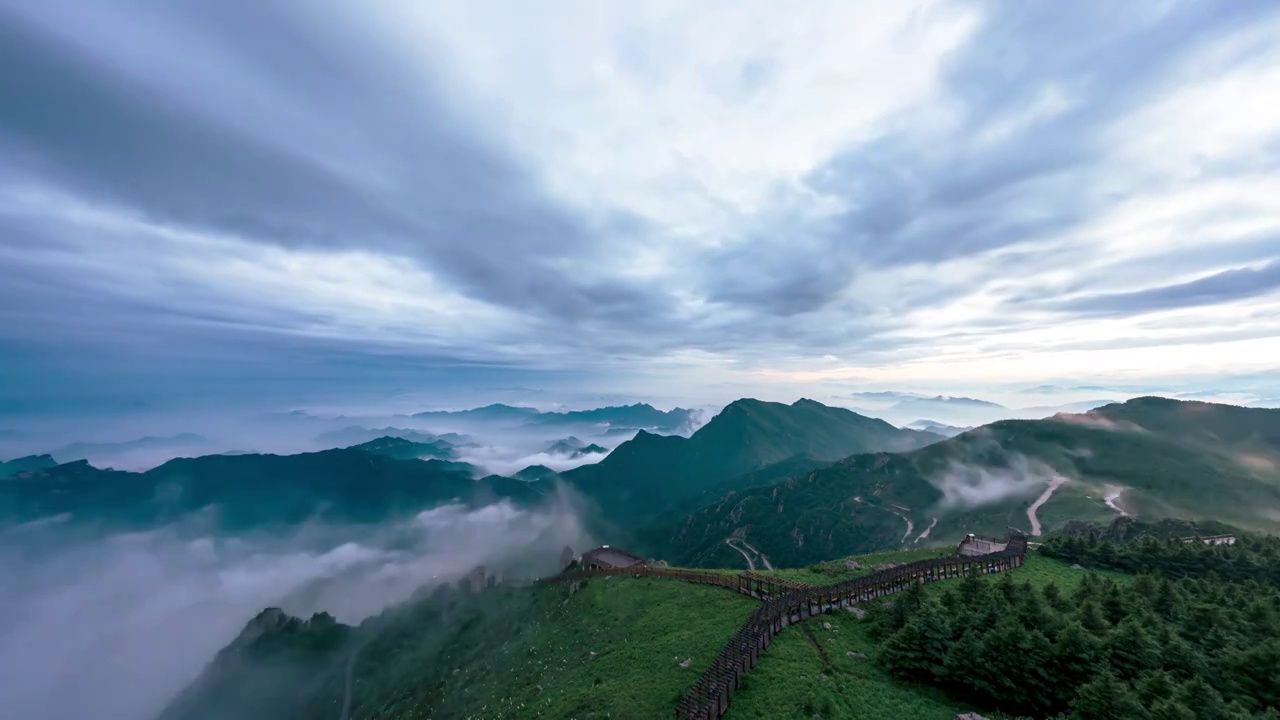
(786, 602)
(709, 697)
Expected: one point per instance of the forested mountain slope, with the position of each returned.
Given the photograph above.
(650, 472)
(1149, 457)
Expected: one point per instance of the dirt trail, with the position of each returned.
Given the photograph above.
(1111, 498)
(751, 564)
(1044, 498)
(910, 525)
(817, 646)
(925, 534)
(765, 560)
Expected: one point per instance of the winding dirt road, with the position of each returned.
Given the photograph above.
(1111, 499)
(925, 534)
(910, 525)
(746, 546)
(763, 559)
(1044, 498)
(751, 564)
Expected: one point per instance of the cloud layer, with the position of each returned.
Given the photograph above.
(230, 200)
(115, 627)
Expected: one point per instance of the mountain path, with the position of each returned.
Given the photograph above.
(767, 565)
(1044, 498)
(751, 564)
(925, 534)
(910, 525)
(1111, 498)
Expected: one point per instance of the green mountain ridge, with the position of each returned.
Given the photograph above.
(402, 449)
(639, 415)
(251, 491)
(1161, 458)
(26, 464)
(649, 473)
(535, 472)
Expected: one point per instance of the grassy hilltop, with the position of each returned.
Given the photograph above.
(612, 648)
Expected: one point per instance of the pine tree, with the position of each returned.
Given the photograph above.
(905, 604)
(1131, 650)
(1034, 614)
(1090, 616)
(903, 654)
(1073, 660)
(1053, 596)
(968, 675)
(972, 589)
(1169, 709)
(1199, 697)
(1167, 601)
(1179, 657)
(1153, 686)
(1114, 605)
(1254, 675)
(1106, 698)
(1017, 659)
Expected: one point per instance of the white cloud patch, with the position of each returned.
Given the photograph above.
(965, 487)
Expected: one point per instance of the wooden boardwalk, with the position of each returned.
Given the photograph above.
(785, 602)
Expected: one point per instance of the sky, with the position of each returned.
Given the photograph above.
(433, 203)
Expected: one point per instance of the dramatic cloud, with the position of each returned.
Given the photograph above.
(312, 202)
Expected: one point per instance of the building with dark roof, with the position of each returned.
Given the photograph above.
(609, 558)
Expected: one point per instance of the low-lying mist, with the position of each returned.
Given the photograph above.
(115, 627)
(967, 486)
(141, 444)
(500, 461)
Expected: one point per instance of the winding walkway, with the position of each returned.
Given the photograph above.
(786, 603)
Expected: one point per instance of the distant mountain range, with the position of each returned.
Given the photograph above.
(183, 442)
(801, 482)
(638, 416)
(355, 434)
(573, 448)
(252, 491)
(906, 409)
(937, 428)
(489, 413)
(402, 449)
(924, 404)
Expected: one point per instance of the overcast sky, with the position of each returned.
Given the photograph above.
(302, 200)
